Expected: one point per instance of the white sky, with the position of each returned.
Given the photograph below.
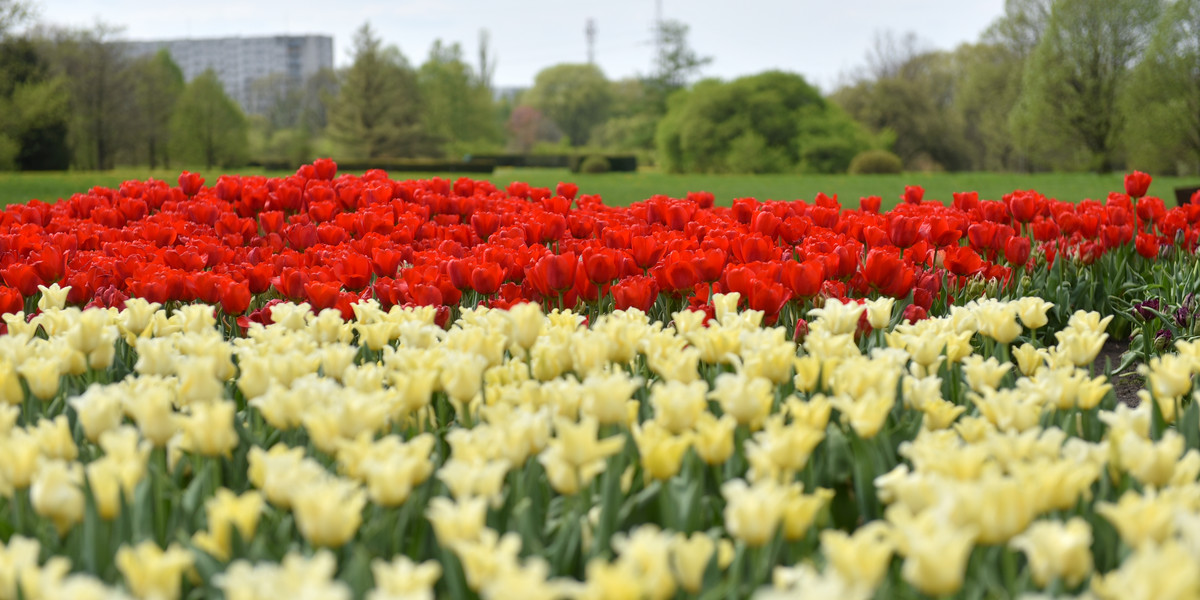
(819, 39)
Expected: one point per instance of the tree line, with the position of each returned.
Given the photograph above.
(1050, 85)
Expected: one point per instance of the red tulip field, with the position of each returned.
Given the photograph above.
(339, 386)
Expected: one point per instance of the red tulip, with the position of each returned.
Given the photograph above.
(566, 190)
(600, 265)
(321, 295)
(324, 168)
(460, 273)
(1016, 251)
(1137, 183)
(963, 261)
(354, 271)
(1024, 205)
(982, 236)
(709, 264)
(554, 274)
(190, 183)
(486, 278)
(753, 248)
(678, 274)
(22, 277)
(765, 223)
(10, 301)
(637, 291)
(769, 297)
(903, 230)
(1146, 245)
(1151, 209)
(913, 313)
(485, 224)
(913, 194)
(966, 201)
(235, 297)
(870, 204)
(646, 250)
(804, 279)
(888, 274)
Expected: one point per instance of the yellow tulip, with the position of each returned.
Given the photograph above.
(747, 400)
(1160, 571)
(863, 557)
(98, 410)
(329, 513)
(713, 439)
(456, 521)
(935, 552)
(1141, 520)
(57, 493)
(486, 555)
(678, 405)
(21, 456)
(226, 511)
(800, 510)
(1057, 551)
(661, 451)
(152, 573)
(866, 414)
(835, 317)
(403, 578)
(208, 429)
(575, 456)
(1032, 311)
(42, 374)
(689, 559)
(753, 512)
(1030, 358)
(54, 438)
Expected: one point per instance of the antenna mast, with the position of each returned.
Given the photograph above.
(590, 30)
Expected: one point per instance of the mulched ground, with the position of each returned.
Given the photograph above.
(1126, 384)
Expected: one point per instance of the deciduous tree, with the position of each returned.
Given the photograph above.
(1076, 75)
(208, 126)
(157, 84)
(576, 97)
(1163, 102)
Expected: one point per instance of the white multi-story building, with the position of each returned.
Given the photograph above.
(240, 61)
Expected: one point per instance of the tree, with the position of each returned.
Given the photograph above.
(157, 84)
(676, 63)
(457, 104)
(34, 109)
(1075, 76)
(633, 117)
(908, 93)
(377, 112)
(42, 111)
(1163, 102)
(770, 122)
(575, 96)
(101, 94)
(986, 91)
(208, 126)
(12, 14)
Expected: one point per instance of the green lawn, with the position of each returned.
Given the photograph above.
(624, 188)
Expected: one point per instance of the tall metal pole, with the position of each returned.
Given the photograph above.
(590, 30)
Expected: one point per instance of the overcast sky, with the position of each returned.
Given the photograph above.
(820, 39)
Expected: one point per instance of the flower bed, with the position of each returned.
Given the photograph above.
(693, 402)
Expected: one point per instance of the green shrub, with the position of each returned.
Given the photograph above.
(874, 162)
(594, 164)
